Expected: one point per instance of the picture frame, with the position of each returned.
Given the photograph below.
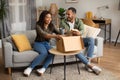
(71, 1)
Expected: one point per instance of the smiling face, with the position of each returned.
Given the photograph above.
(70, 15)
(47, 19)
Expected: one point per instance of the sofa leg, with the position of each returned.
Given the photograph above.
(98, 60)
(9, 71)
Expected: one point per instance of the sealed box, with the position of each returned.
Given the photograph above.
(69, 43)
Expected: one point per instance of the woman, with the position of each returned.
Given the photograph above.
(44, 29)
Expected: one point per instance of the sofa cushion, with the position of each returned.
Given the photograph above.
(26, 56)
(91, 31)
(21, 42)
(31, 35)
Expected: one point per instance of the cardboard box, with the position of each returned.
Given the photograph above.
(69, 43)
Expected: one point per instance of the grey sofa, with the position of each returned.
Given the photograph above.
(13, 58)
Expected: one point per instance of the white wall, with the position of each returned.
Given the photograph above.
(0, 44)
(91, 5)
(38, 3)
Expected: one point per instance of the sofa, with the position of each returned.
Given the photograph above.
(14, 58)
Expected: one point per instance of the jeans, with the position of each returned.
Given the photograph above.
(89, 44)
(42, 48)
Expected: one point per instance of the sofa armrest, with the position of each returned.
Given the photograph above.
(99, 44)
(8, 54)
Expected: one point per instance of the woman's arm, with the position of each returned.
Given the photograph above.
(52, 36)
(56, 30)
(45, 34)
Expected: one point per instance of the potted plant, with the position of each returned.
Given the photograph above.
(2, 14)
(61, 13)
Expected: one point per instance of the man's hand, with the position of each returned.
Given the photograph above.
(75, 32)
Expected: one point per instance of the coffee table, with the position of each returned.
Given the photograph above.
(56, 52)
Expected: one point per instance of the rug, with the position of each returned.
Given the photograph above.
(71, 74)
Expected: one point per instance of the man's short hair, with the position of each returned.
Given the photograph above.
(73, 9)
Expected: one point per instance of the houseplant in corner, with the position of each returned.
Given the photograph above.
(61, 13)
(2, 15)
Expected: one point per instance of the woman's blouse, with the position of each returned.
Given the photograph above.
(41, 33)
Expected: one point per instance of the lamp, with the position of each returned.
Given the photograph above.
(102, 8)
(54, 11)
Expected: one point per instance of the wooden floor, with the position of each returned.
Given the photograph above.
(111, 58)
(110, 61)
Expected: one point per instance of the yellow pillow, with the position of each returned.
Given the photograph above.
(21, 42)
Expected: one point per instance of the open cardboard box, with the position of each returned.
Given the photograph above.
(69, 43)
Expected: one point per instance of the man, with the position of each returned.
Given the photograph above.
(75, 26)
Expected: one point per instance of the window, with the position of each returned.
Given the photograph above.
(18, 15)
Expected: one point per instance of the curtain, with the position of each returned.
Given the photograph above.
(29, 17)
(6, 24)
(31, 14)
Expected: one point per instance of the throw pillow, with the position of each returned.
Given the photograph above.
(21, 42)
(90, 31)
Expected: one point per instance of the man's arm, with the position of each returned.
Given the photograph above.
(81, 27)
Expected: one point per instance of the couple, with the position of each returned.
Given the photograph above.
(44, 30)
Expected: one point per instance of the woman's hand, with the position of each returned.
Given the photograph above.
(58, 36)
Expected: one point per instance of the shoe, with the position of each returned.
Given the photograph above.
(41, 71)
(88, 69)
(96, 70)
(27, 71)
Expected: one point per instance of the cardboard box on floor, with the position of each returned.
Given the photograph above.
(69, 43)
